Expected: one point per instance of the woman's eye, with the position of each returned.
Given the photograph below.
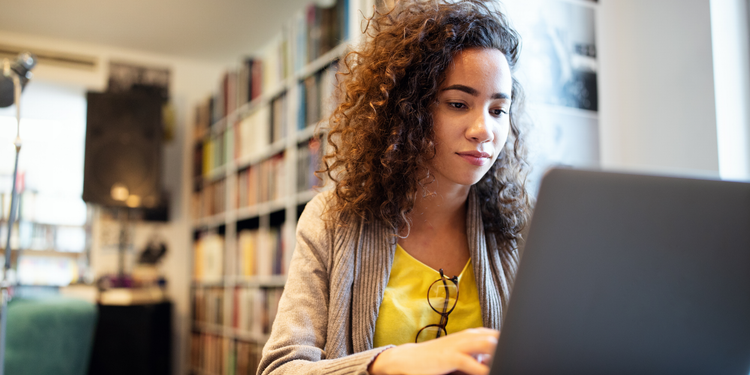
(457, 105)
(499, 112)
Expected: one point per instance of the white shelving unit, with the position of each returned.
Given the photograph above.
(263, 215)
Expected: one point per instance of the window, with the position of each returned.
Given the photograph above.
(52, 221)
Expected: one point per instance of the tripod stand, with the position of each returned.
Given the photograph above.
(5, 284)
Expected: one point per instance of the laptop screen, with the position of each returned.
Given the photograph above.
(631, 274)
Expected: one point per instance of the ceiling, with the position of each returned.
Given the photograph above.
(210, 30)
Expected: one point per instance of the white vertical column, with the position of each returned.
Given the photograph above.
(729, 37)
(657, 105)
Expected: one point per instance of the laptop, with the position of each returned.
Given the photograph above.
(631, 274)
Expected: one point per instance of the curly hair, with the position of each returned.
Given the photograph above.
(381, 134)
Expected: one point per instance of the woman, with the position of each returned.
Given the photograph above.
(429, 199)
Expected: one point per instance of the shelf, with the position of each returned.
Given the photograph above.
(249, 336)
(4, 224)
(216, 174)
(219, 127)
(260, 281)
(263, 99)
(323, 61)
(270, 281)
(260, 155)
(46, 253)
(230, 332)
(306, 196)
(245, 213)
(310, 131)
(209, 284)
(200, 135)
(260, 209)
(213, 329)
(276, 147)
(211, 222)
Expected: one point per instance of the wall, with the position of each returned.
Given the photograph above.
(190, 81)
(657, 94)
(558, 71)
(674, 86)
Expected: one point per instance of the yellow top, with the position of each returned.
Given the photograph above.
(404, 310)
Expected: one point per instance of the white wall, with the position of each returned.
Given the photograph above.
(190, 81)
(656, 86)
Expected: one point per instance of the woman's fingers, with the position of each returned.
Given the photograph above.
(469, 365)
(456, 352)
(479, 342)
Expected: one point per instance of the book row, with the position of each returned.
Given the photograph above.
(259, 183)
(251, 314)
(213, 151)
(254, 309)
(217, 355)
(209, 199)
(325, 27)
(259, 252)
(240, 86)
(317, 30)
(255, 131)
(208, 305)
(262, 252)
(263, 182)
(317, 99)
(267, 124)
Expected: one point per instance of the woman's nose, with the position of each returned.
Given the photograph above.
(480, 130)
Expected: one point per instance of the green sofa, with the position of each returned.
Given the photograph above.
(49, 335)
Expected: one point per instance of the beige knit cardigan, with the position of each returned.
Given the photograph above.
(326, 318)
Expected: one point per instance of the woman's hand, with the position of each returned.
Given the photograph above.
(456, 352)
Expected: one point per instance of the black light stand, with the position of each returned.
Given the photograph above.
(124, 216)
(26, 62)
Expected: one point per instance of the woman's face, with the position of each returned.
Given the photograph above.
(470, 117)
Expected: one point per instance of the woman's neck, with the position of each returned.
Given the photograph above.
(440, 212)
(437, 234)
(445, 207)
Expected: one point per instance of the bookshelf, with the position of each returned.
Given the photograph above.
(254, 153)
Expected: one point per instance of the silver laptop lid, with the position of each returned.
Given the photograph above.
(631, 274)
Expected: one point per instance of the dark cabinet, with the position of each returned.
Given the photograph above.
(133, 339)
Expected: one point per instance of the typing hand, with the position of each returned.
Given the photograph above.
(455, 353)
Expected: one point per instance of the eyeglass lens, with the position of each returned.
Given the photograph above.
(430, 332)
(442, 296)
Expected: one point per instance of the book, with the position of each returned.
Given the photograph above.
(252, 133)
(278, 118)
(324, 28)
(256, 79)
(208, 253)
(309, 155)
(247, 243)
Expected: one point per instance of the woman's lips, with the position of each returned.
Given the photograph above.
(477, 158)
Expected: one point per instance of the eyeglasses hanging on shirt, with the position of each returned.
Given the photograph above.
(442, 297)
